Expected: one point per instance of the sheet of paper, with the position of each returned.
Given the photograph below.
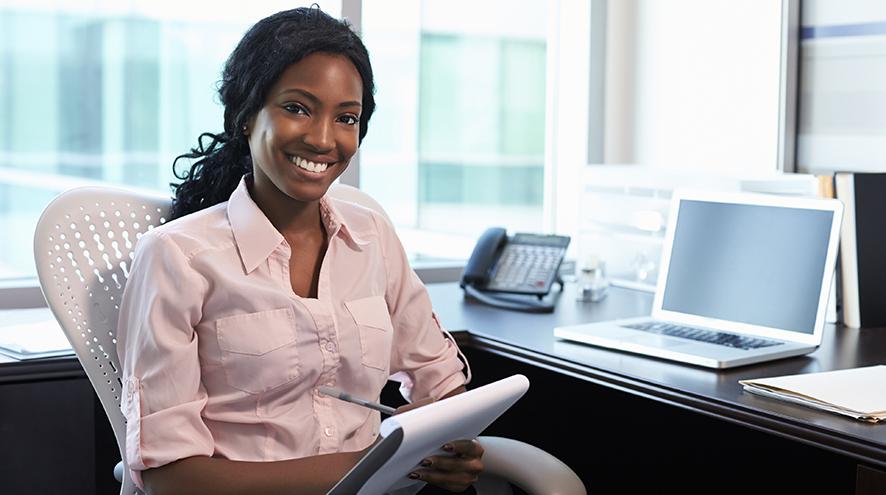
(34, 338)
(856, 389)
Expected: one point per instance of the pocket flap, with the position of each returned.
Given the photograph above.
(256, 333)
(370, 312)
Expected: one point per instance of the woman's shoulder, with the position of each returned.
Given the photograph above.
(360, 219)
(195, 231)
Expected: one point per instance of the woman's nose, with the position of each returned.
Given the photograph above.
(320, 135)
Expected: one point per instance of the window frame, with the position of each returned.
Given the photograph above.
(26, 292)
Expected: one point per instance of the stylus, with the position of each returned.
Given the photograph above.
(338, 394)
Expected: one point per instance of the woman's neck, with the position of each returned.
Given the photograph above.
(290, 217)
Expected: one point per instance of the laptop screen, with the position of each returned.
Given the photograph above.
(761, 265)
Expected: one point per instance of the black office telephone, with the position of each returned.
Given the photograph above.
(502, 271)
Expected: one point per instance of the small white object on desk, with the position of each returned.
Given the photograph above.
(856, 392)
(32, 334)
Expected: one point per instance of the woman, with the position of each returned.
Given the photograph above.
(264, 289)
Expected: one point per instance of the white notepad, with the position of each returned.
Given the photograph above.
(409, 437)
(856, 392)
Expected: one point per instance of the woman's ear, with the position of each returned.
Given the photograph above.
(248, 126)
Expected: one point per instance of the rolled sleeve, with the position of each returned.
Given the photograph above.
(423, 359)
(163, 395)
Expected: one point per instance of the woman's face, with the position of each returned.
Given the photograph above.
(308, 130)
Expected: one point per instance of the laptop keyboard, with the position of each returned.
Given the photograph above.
(703, 335)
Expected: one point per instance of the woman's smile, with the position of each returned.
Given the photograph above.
(315, 168)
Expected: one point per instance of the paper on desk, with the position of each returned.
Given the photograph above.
(40, 339)
(856, 392)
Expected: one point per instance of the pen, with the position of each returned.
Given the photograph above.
(338, 394)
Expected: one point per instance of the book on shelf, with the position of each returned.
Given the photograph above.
(825, 189)
(856, 392)
(863, 248)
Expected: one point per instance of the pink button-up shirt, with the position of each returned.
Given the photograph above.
(221, 358)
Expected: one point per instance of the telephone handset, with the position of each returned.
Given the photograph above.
(501, 268)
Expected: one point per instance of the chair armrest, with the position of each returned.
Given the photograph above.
(531, 469)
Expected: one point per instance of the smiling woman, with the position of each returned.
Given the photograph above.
(262, 289)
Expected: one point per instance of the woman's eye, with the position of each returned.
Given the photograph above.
(293, 108)
(349, 119)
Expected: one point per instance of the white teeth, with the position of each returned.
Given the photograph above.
(308, 165)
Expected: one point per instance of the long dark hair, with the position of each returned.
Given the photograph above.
(266, 50)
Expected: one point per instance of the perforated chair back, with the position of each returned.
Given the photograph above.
(83, 245)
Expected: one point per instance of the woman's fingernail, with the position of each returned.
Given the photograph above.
(447, 447)
(425, 462)
(413, 475)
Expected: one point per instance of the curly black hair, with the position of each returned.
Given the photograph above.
(266, 50)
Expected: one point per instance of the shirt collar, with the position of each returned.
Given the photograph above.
(256, 237)
(336, 224)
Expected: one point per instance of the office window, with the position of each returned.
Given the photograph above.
(842, 118)
(105, 93)
(458, 140)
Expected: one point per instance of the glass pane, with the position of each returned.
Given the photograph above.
(457, 143)
(105, 93)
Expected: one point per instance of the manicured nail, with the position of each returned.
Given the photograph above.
(447, 447)
(425, 462)
(413, 475)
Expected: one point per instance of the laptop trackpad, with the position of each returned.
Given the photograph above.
(655, 341)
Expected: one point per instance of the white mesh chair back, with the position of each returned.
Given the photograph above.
(83, 246)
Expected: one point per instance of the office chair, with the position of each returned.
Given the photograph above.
(84, 245)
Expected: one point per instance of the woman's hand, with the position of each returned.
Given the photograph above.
(454, 472)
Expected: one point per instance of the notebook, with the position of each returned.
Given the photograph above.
(744, 279)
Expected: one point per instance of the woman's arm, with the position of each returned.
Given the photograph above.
(456, 391)
(200, 475)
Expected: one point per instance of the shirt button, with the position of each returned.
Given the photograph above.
(328, 431)
(330, 346)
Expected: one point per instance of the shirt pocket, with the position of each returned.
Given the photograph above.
(258, 350)
(376, 330)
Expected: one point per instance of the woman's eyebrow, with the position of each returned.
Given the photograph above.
(310, 96)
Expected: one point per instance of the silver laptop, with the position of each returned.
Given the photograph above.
(745, 278)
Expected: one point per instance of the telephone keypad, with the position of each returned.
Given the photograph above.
(526, 268)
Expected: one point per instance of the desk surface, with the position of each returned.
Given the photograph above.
(529, 337)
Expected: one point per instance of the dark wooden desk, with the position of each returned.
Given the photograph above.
(627, 421)
(54, 435)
